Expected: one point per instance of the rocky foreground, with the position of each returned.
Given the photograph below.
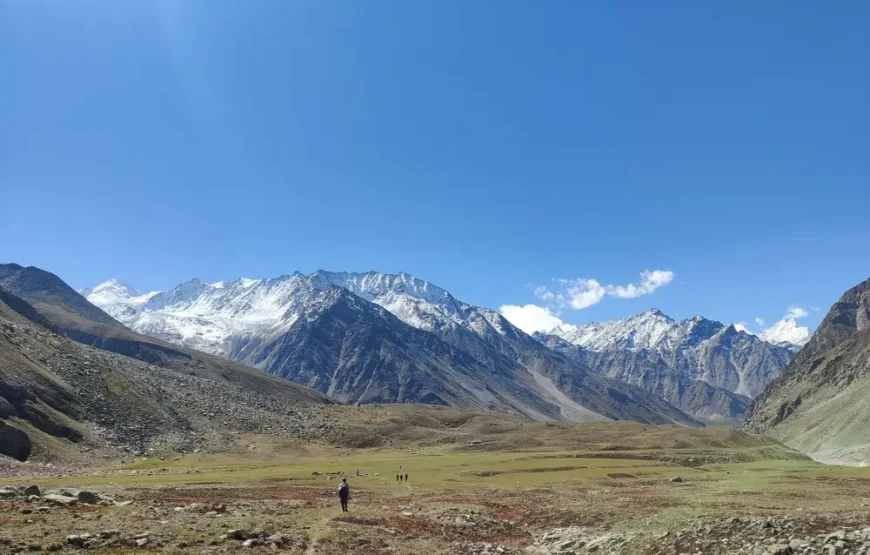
(167, 520)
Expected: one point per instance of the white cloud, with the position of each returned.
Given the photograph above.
(581, 293)
(795, 313)
(530, 318)
(542, 293)
(649, 282)
(572, 293)
(759, 321)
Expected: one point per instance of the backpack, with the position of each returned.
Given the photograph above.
(343, 489)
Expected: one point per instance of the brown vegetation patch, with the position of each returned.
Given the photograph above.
(488, 473)
(222, 494)
(360, 521)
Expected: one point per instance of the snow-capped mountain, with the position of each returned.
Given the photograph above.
(665, 356)
(213, 317)
(651, 330)
(786, 333)
(371, 337)
(116, 298)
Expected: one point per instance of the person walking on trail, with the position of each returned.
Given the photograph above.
(397, 477)
(344, 494)
(406, 476)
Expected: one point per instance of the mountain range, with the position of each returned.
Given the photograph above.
(380, 338)
(708, 369)
(372, 337)
(819, 405)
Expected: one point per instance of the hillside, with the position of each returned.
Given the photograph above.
(819, 406)
(64, 311)
(56, 393)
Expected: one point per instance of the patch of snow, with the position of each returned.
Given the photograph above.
(786, 333)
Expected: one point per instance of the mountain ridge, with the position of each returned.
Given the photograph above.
(668, 356)
(276, 323)
(62, 398)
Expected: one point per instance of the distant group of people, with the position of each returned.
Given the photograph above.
(344, 489)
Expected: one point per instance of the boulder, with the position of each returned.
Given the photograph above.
(88, 497)
(58, 499)
(6, 493)
(33, 490)
(78, 540)
(238, 534)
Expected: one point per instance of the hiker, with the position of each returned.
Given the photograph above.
(344, 494)
(406, 476)
(397, 477)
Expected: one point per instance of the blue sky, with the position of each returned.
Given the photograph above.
(488, 147)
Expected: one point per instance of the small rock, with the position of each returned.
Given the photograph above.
(141, 542)
(8, 493)
(676, 480)
(78, 540)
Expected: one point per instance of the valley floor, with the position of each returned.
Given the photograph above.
(672, 497)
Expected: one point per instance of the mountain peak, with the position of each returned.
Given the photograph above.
(654, 313)
(787, 333)
(111, 291)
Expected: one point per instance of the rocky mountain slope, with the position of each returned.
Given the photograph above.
(705, 368)
(62, 310)
(370, 337)
(55, 391)
(819, 405)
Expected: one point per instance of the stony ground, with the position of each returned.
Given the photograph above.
(533, 503)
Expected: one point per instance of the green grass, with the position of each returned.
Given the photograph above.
(536, 489)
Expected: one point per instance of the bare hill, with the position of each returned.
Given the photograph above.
(819, 405)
